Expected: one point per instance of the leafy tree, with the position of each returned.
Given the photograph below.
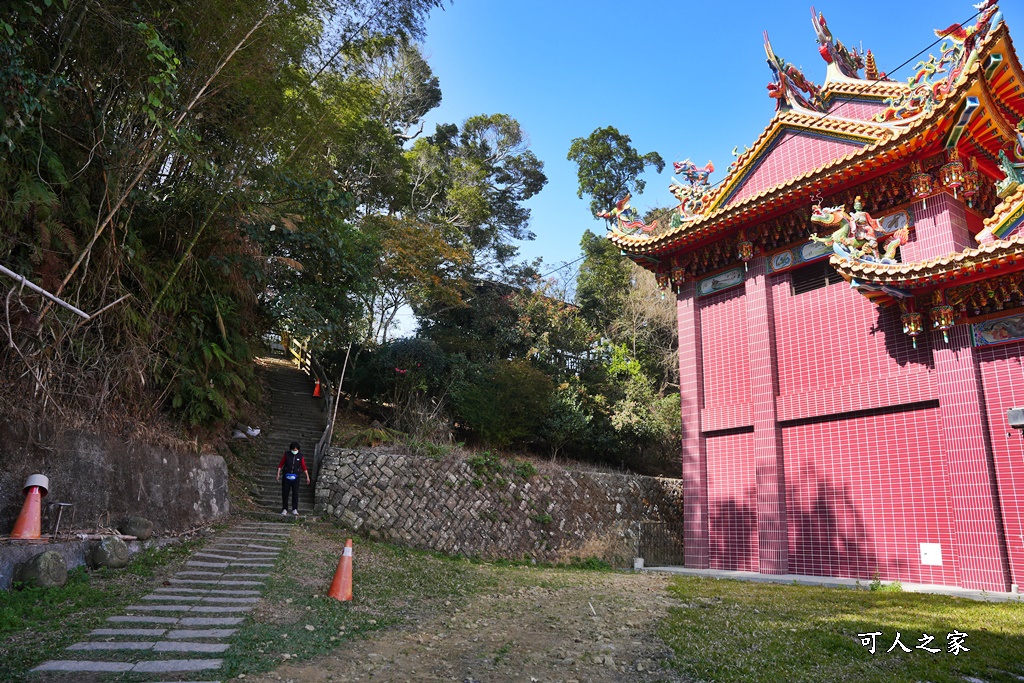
(476, 179)
(505, 401)
(602, 283)
(151, 149)
(608, 166)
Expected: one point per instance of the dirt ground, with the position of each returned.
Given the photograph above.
(561, 626)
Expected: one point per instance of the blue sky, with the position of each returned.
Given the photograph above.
(682, 78)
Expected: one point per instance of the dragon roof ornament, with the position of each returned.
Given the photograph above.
(694, 196)
(833, 51)
(934, 79)
(791, 88)
(625, 219)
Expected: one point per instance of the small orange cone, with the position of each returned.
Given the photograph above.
(29, 521)
(341, 587)
(316, 389)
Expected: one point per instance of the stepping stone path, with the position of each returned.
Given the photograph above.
(194, 616)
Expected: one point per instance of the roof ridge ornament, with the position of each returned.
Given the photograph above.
(833, 51)
(790, 85)
(934, 79)
(695, 196)
(625, 219)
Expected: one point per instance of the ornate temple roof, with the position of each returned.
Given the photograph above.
(805, 153)
(964, 265)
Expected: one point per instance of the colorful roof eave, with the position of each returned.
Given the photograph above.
(904, 140)
(978, 263)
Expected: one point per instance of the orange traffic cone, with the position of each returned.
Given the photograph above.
(341, 587)
(316, 389)
(29, 521)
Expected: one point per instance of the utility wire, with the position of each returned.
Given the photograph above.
(825, 115)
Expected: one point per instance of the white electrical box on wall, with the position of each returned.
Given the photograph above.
(931, 554)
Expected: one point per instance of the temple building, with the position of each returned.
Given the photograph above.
(851, 322)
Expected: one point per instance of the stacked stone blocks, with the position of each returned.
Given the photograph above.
(447, 506)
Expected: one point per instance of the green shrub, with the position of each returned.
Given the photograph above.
(524, 468)
(505, 402)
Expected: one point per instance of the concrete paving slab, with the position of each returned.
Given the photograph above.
(226, 582)
(202, 563)
(156, 632)
(217, 556)
(254, 575)
(186, 633)
(853, 584)
(143, 619)
(251, 564)
(186, 646)
(198, 573)
(80, 665)
(211, 621)
(194, 581)
(229, 601)
(158, 608)
(226, 609)
(205, 591)
(155, 596)
(171, 665)
(113, 645)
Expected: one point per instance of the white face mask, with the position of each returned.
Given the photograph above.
(295, 452)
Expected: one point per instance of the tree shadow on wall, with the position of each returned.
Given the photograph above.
(828, 536)
(899, 345)
(733, 536)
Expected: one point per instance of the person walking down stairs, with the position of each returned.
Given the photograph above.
(291, 462)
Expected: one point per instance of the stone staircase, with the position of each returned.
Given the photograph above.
(295, 416)
(183, 629)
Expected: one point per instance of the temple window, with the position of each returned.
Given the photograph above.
(815, 276)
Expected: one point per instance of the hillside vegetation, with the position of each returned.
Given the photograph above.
(192, 176)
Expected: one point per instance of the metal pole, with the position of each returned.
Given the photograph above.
(42, 292)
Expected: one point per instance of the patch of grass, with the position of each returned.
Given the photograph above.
(502, 652)
(374, 435)
(592, 564)
(877, 585)
(739, 631)
(524, 468)
(542, 518)
(429, 449)
(297, 619)
(485, 464)
(36, 624)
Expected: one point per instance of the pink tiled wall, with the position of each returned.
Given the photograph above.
(838, 352)
(863, 493)
(792, 155)
(845, 448)
(1003, 380)
(773, 543)
(972, 484)
(724, 341)
(694, 457)
(732, 502)
(855, 109)
(940, 228)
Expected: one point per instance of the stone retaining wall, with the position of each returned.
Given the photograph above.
(108, 478)
(449, 507)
